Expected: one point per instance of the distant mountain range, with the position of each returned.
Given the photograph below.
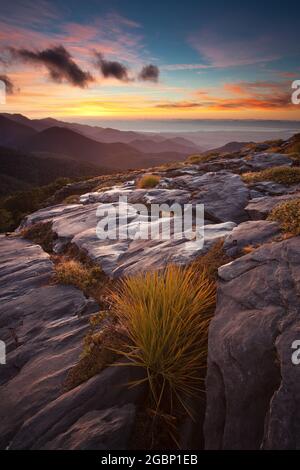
(34, 152)
(104, 147)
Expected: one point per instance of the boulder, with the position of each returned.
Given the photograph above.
(224, 196)
(253, 386)
(43, 325)
(126, 256)
(259, 208)
(96, 429)
(262, 161)
(58, 422)
(269, 188)
(250, 233)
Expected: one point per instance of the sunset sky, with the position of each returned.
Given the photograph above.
(159, 59)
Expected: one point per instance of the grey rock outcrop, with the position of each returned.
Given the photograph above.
(250, 233)
(43, 325)
(259, 208)
(253, 387)
(224, 196)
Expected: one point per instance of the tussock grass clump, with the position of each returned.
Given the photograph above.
(40, 233)
(288, 215)
(279, 174)
(166, 316)
(148, 181)
(88, 278)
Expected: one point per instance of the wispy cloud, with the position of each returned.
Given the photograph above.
(241, 95)
(221, 51)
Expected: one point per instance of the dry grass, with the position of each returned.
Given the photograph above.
(202, 158)
(166, 316)
(287, 214)
(279, 174)
(212, 260)
(72, 199)
(89, 278)
(249, 249)
(148, 181)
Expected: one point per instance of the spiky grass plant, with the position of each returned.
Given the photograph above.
(166, 316)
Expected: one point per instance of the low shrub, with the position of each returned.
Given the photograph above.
(166, 316)
(279, 174)
(287, 214)
(148, 181)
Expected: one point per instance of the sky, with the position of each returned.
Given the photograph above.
(136, 59)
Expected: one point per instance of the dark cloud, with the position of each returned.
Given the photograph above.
(112, 68)
(59, 64)
(149, 73)
(10, 88)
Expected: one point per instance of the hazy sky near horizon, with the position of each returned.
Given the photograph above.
(137, 59)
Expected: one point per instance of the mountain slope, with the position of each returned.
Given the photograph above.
(12, 133)
(168, 145)
(19, 171)
(65, 142)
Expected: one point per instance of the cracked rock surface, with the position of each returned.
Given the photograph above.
(253, 388)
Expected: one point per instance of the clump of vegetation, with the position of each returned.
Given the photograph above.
(99, 350)
(17, 206)
(72, 199)
(288, 215)
(166, 315)
(148, 181)
(6, 220)
(279, 174)
(294, 145)
(88, 278)
(212, 260)
(202, 158)
(40, 233)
